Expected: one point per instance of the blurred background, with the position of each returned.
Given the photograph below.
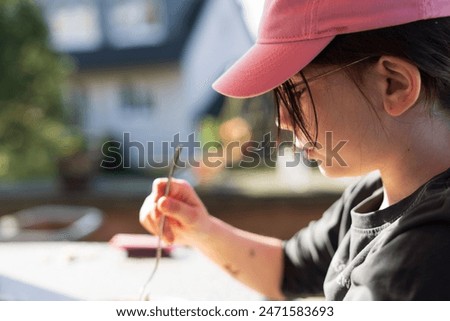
(91, 93)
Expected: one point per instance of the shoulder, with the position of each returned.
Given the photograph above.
(369, 182)
(431, 205)
(414, 259)
(360, 190)
(412, 266)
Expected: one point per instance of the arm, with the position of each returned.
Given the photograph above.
(252, 259)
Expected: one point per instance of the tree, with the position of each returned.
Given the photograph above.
(32, 132)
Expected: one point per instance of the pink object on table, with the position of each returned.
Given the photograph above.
(139, 245)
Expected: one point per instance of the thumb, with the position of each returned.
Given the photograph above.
(180, 211)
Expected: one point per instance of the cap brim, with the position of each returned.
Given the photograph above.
(265, 66)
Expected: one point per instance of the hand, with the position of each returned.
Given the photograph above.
(187, 220)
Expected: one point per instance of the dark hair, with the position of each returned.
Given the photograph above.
(424, 43)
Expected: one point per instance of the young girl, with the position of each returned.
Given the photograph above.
(375, 75)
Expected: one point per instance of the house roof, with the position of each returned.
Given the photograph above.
(180, 17)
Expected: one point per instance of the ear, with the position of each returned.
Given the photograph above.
(400, 84)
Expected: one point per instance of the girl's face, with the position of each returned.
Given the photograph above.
(350, 137)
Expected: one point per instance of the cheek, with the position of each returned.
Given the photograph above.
(284, 122)
(341, 112)
(347, 132)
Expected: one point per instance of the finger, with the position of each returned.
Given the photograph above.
(177, 210)
(144, 214)
(179, 189)
(158, 187)
(149, 215)
(168, 234)
(151, 226)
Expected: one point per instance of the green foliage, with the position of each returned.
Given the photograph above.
(32, 132)
(209, 130)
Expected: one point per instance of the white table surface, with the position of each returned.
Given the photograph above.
(97, 271)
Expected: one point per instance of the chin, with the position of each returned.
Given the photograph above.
(337, 171)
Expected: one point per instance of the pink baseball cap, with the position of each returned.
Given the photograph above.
(293, 32)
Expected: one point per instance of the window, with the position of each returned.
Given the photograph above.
(133, 23)
(135, 97)
(74, 25)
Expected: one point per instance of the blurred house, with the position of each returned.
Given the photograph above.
(145, 67)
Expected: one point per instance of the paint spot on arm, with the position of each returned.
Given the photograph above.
(234, 272)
